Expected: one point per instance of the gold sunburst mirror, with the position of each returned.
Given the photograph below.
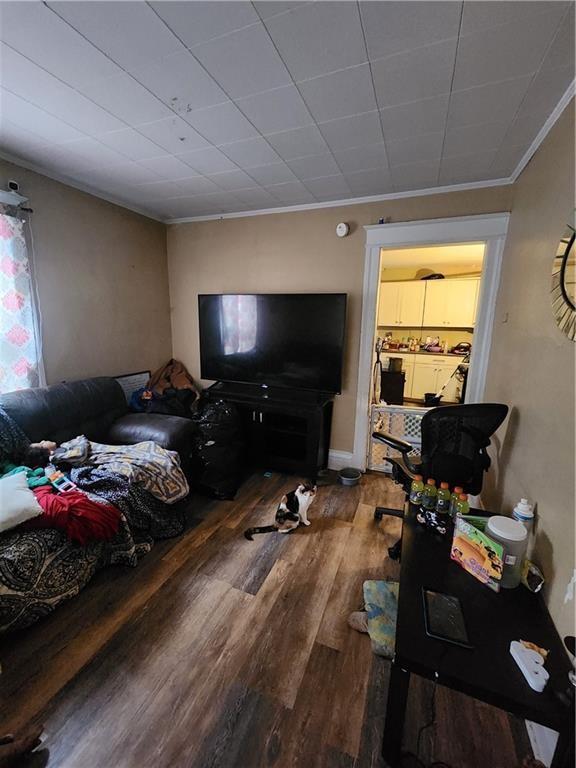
(564, 284)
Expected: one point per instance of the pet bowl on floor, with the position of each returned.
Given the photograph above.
(349, 476)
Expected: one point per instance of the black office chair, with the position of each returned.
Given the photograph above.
(454, 443)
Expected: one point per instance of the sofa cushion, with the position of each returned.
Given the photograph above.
(17, 502)
(63, 411)
(171, 432)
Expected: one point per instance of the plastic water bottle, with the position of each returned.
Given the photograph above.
(462, 506)
(524, 513)
(443, 499)
(429, 495)
(416, 490)
(453, 499)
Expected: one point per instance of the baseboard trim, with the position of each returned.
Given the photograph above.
(340, 459)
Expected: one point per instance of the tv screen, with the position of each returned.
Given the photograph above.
(281, 340)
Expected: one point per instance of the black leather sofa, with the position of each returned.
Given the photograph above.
(95, 408)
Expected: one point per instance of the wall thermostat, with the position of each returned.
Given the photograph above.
(342, 229)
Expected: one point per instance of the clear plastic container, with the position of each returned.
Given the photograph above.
(514, 538)
(443, 499)
(524, 513)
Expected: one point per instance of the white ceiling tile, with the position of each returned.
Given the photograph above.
(414, 75)
(256, 198)
(250, 153)
(267, 8)
(31, 82)
(38, 33)
(415, 119)
(278, 110)
(319, 38)
(181, 82)
(561, 52)
(511, 50)
(168, 167)
(126, 173)
(196, 22)
(545, 91)
(124, 97)
(291, 193)
(161, 188)
(329, 185)
(417, 149)
(173, 134)
(314, 166)
(131, 144)
(506, 160)
(362, 158)
(480, 138)
(376, 182)
(392, 27)
(496, 100)
(197, 185)
(243, 62)
(221, 124)
(298, 142)
(130, 33)
(14, 138)
(415, 176)
(466, 168)
(231, 180)
(355, 131)
(339, 94)
(208, 160)
(95, 153)
(275, 173)
(523, 130)
(27, 115)
(479, 15)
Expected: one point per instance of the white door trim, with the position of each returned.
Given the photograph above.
(490, 229)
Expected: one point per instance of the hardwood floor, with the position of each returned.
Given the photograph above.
(217, 652)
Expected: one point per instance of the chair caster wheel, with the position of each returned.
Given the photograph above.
(378, 515)
(395, 551)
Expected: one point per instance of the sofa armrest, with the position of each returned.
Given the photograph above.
(174, 433)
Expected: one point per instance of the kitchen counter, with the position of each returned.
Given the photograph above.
(392, 352)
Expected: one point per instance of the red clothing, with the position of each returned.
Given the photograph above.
(82, 519)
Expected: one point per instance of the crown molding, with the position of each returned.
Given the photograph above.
(346, 201)
(62, 179)
(545, 130)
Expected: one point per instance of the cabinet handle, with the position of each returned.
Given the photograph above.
(253, 415)
(260, 417)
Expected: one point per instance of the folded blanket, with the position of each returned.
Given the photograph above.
(82, 519)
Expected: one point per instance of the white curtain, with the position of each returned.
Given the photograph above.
(20, 346)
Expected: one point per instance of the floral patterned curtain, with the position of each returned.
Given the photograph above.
(20, 358)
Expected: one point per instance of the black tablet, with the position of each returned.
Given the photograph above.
(444, 618)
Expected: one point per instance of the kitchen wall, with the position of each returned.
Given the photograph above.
(102, 281)
(296, 252)
(532, 367)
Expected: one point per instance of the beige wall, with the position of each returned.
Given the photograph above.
(532, 365)
(102, 281)
(295, 252)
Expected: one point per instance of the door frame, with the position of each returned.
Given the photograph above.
(490, 229)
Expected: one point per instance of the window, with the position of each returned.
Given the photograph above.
(20, 358)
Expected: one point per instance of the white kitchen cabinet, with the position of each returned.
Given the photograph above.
(424, 379)
(430, 374)
(401, 304)
(451, 303)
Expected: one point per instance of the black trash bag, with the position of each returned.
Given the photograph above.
(219, 448)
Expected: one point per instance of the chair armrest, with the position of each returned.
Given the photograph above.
(393, 442)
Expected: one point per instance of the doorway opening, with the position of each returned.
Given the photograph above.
(443, 344)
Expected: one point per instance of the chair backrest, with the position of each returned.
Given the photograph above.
(454, 442)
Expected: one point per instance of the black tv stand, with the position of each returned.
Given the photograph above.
(285, 429)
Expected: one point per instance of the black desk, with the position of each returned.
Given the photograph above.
(488, 672)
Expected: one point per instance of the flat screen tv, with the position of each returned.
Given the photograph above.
(279, 340)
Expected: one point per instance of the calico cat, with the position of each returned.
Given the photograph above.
(292, 510)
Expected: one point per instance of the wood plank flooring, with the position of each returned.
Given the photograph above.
(217, 652)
